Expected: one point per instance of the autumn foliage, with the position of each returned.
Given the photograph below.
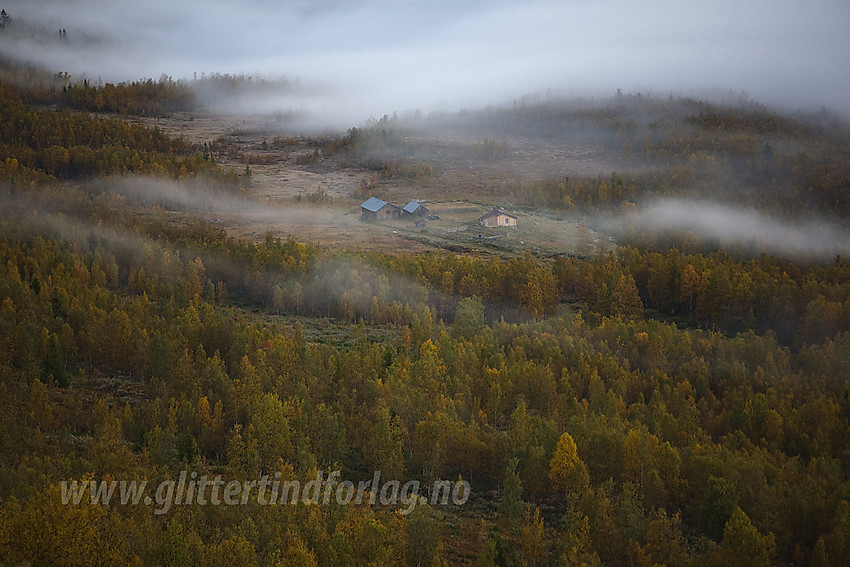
(650, 406)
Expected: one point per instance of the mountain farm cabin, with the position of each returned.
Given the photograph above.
(414, 209)
(376, 209)
(496, 218)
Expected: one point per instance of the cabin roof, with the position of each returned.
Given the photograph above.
(494, 213)
(373, 204)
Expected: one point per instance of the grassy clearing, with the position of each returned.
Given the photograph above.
(282, 178)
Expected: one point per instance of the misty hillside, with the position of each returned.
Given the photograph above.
(651, 368)
(661, 172)
(743, 155)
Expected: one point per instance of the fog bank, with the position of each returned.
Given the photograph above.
(730, 226)
(375, 57)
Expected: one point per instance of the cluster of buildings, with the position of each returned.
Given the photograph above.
(377, 209)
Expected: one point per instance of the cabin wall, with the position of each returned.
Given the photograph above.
(499, 220)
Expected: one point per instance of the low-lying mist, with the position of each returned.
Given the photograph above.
(731, 227)
(333, 283)
(372, 58)
(198, 198)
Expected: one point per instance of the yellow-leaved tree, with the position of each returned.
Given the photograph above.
(567, 471)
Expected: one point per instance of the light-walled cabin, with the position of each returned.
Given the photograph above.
(497, 218)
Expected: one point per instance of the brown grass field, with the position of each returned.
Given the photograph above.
(316, 198)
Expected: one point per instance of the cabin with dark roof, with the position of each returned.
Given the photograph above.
(414, 209)
(376, 209)
(496, 218)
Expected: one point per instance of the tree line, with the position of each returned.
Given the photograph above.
(43, 145)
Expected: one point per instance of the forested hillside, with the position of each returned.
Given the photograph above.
(650, 406)
(745, 155)
(43, 145)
